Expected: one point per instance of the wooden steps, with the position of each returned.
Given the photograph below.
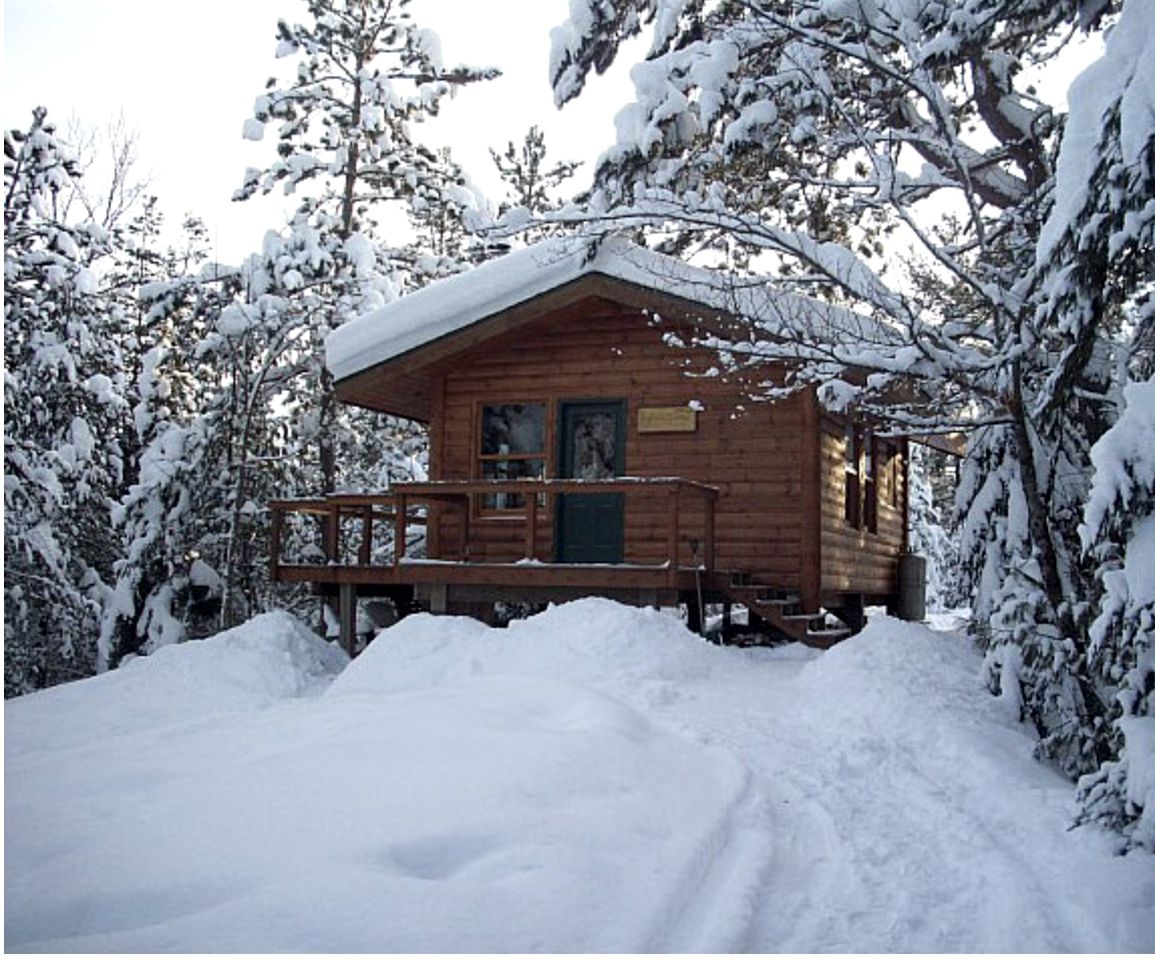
(783, 611)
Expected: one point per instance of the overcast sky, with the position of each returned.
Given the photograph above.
(185, 75)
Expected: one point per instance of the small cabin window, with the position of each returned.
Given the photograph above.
(870, 478)
(892, 472)
(853, 505)
(512, 448)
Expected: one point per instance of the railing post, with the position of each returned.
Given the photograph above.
(366, 554)
(465, 527)
(275, 543)
(399, 533)
(333, 532)
(531, 526)
(674, 535)
(709, 531)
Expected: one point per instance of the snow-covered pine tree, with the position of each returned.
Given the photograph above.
(1097, 266)
(446, 243)
(1120, 534)
(365, 76)
(808, 131)
(531, 184)
(931, 499)
(63, 410)
(173, 510)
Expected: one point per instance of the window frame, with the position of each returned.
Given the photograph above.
(852, 480)
(478, 458)
(892, 451)
(870, 481)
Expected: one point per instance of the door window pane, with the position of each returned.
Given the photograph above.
(594, 446)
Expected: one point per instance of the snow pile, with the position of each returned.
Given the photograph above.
(270, 658)
(942, 833)
(491, 813)
(593, 642)
(592, 779)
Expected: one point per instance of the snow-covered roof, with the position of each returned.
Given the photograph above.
(458, 302)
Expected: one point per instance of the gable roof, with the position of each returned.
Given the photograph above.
(456, 303)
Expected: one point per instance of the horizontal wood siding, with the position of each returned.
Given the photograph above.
(600, 350)
(855, 560)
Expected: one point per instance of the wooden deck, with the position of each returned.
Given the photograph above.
(350, 545)
(364, 544)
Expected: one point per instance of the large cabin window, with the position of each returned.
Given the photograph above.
(852, 509)
(512, 448)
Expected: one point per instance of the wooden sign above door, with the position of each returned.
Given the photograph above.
(667, 420)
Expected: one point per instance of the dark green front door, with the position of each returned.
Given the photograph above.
(592, 447)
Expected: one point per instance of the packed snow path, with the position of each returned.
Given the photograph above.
(593, 779)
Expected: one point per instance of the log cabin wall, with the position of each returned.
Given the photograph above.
(860, 551)
(754, 452)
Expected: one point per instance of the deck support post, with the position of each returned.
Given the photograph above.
(674, 535)
(347, 616)
(695, 616)
(439, 598)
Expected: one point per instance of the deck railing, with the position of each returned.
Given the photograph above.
(404, 507)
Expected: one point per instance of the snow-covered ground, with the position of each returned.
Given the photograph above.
(592, 779)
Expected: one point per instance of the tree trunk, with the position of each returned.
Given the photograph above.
(1038, 514)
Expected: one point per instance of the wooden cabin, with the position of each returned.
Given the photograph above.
(576, 449)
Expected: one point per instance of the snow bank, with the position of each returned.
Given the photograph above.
(593, 779)
(594, 642)
(269, 658)
(947, 835)
(416, 807)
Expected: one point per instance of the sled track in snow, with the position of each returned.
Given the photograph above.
(717, 895)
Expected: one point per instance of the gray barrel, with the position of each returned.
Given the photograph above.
(911, 587)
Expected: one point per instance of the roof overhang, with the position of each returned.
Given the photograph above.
(403, 384)
(389, 359)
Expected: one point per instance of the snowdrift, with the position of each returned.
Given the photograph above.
(272, 657)
(593, 779)
(423, 804)
(595, 642)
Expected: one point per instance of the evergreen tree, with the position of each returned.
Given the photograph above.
(810, 132)
(366, 74)
(1098, 283)
(930, 499)
(170, 515)
(531, 184)
(1120, 534)
(235, 407)
(63, 406)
